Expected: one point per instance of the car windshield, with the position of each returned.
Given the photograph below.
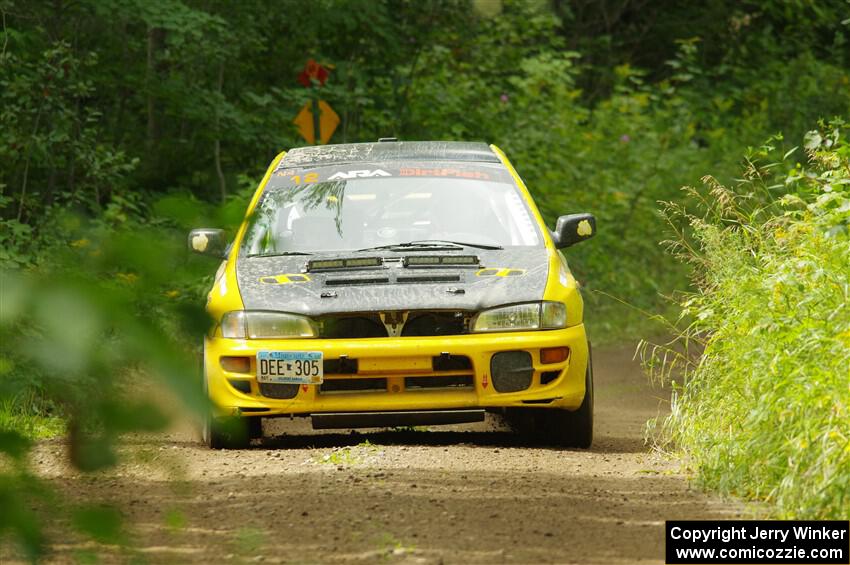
(363, 213)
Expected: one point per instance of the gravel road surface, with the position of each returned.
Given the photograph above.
(469, 494)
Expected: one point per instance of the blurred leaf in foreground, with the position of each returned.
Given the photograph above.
(98, 327)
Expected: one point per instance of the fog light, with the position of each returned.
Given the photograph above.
(550, 355)
(511, 370)
(236, 364)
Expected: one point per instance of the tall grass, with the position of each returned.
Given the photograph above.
(31, 414)
(762, 407)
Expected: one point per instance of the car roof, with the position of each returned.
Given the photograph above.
(318, 155)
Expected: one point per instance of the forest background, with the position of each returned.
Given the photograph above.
(125, 122)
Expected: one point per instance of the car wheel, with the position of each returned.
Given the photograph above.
(228, 433)
(255, 427)
(575, 429)
(526, 423)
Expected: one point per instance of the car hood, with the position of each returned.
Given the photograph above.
(283, 284)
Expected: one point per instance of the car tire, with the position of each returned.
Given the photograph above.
(228, 433)
(232, 432)
(526, 423)
(566, 428)
(255, 427)
(575, 428)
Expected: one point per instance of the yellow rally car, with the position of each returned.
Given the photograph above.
(396, 284)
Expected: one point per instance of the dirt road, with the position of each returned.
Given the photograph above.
(468, 495)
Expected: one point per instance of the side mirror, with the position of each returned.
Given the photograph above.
(207, 241)
(572, 229)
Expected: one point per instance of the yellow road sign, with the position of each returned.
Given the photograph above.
(328, 122)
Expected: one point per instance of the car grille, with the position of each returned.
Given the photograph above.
(280, 391)
(353, 385)
(368, 324)
(452, 372)
(450, 382)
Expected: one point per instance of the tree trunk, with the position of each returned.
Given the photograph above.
(156, 38)
(27, 164)
(222, 186)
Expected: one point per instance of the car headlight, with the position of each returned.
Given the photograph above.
(242, 324)
(531, 316)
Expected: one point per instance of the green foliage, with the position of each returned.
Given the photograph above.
(102, 523)
(80, 335)
(18, 490)
(123, 121)
(110, 103)
(764, 411)
(31, 414)
(517, 83)
(249, 540)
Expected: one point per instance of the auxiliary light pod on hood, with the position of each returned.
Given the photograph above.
(441, 261)
(318, 265)
(350, 263)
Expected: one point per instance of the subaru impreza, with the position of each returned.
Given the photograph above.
(396, 284)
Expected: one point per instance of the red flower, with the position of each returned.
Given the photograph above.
(313, 71)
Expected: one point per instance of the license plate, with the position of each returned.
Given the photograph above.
(290, 367)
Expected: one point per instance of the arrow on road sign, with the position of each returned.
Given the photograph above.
(328, 122)
(316, 114)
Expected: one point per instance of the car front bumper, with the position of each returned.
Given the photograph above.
(398, 362)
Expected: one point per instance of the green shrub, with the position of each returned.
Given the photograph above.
(86, 333)
(764, 411)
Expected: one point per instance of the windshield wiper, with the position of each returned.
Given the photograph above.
(281, 254)
(466, 244)
(409, 244)
(433, 244)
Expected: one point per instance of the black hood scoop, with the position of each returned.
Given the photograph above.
(435, 278)
(504, 276)
(352, 281)
(400, 279)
